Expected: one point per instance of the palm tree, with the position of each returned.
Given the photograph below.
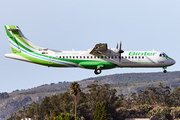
(75, 90)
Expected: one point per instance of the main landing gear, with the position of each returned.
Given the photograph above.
(165, 71)
(97, 71)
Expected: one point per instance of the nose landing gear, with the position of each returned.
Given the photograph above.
(165, 71)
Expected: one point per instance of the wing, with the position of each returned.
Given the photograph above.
(99, 49)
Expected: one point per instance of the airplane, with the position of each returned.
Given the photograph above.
(99, 58)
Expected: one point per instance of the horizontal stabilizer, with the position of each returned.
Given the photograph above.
(17, 57)
(13, 28)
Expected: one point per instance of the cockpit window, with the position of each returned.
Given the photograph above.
(163, 55)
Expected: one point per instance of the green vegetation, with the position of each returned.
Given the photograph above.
(75, 90)
(158, 102)
(127, 86)
(101, 112)
(64, 116)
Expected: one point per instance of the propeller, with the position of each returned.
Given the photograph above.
(120, 51)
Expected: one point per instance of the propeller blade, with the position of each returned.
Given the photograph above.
(120, 47)
(117, 46)
(120, 51)
(119, 57)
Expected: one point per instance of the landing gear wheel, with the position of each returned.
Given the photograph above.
(165, 71)
(97, 71)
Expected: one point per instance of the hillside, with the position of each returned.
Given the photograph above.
(128, 82)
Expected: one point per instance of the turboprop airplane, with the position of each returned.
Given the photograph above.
(99, 58)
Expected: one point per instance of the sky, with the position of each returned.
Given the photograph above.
(68, 24)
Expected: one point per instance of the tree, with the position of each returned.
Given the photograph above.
(54, 113)
(75, 90)
(97, 112)
(176, 96)
(45, 107)
(101, 112)
(162, 113)
(67, 116)
(104, 115)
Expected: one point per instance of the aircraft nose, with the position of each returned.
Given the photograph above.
(173, 62)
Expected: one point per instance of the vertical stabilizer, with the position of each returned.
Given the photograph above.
(18, 42)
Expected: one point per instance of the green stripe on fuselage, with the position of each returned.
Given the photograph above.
(14, 50)
(169, 58)
(43, 62)
(39, 61)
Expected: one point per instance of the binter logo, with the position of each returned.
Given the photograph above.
(142, 53)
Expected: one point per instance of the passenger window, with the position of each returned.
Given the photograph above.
(132, 57)
(112, 57)
(135, 57)
(122, 57)
(59, 56)
(69, 56)
(73, 57)
(98, 56)
(142, 57)
(94, 57)
(80, 57)
(129, 57)
(101, 57)
(160, 55)
(76, 56)
(66, 56)
(115, 57)
(139, 57)
(91, 57)
(87, 56)
(63, 56)
(84, 56)
(126, 57)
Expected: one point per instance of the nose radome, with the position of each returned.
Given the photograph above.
(173, 61)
